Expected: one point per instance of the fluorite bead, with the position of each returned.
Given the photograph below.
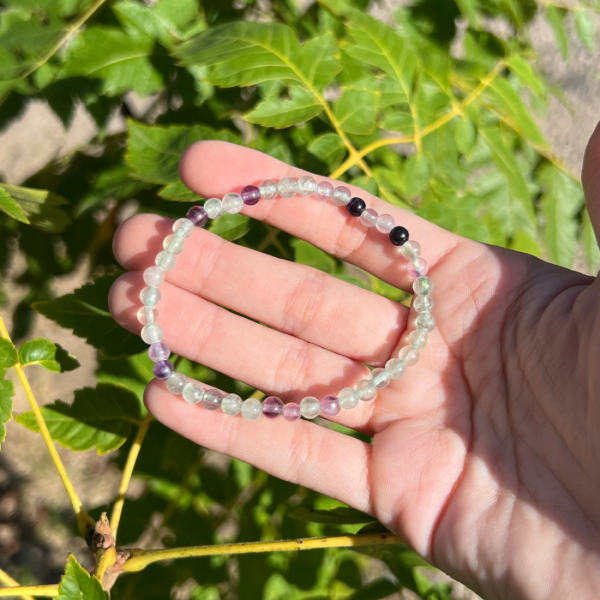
(425, 321)
(214, 208)
(212, 399)
(399, 235)
(176, 383)
(287, 188)
(410, 250)
(395, 367)
(324, 190)
(159, 351)
(380, 378)
(165, 260)
(307, 186)
(231, 404)
(330, 406)
(173, 243)
(272, 407)
(251, 409)
(409, 355)
(150, 296)
(310, 407)
(423, 304)
(163, 369)
(291, 411)
(268, 189)
(366, 390)
(418, 267)
(232, 203)
(385, 223)
(418, 338)
(423, 286)
(341, 195)
(154, 276)
(369, 217)
(197, 215)
(193, 392)
(183, 228)
(356, 207)
(147, 315)
(348, 398)
(152, 333)
(250, 195)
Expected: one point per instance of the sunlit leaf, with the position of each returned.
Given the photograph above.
(8, 354)
(356, 111)
(279, 113)
(78, 584)
(47, 354)
(307, 254)
(556, 17)
(584, 26)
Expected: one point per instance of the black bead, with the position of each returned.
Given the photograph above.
(356, 207)
(398, 235)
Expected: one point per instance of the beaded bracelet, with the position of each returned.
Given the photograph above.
(272, 407)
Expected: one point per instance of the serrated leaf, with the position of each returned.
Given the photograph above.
(78, 584)
(399, 121)
(177, 12)
(590, 243)
(466, 135)
(356, 111)
(584, 26)
(38, 208)
(342, 515)
(416, 174)
(319, 60)
(232, 227)
(47, 354)
(555, 17)
(525, 74)
(307, 254)
(178, 192)
(85, 311)
(99, 418)
(522, 241)
(8, 354)
(7, 392)
(328, 147)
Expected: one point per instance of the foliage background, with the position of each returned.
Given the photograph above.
(487, 173)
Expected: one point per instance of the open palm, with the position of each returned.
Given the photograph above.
(484, 455)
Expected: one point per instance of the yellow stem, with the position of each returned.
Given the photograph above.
(48, 591)
(127, 473)
(108, 559)
(83, 519)
(6, 579)
(142, 560)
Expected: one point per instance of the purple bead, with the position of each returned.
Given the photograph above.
(250, 195)
(356, 207)
(272, 407)
(197, 215)
(163, 369)
(324, 190)
(330, 406)
(159, 351)
(291, 411)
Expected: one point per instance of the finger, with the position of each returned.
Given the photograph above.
(206, 167)
(590, 178)
(295, 299)
(298, 451)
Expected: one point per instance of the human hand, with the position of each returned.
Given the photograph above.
(484, 455)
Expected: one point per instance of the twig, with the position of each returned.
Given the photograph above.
(48, 591)
(108, 559)
(6, 579)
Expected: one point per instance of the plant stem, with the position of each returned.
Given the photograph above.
(84, 520)
(127, 473)
(145, 557)
(48, 591)
(6, 579)
(108, 559)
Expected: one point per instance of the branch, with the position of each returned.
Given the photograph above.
(48, 591)
(83, 518)
(6, 579)
(142, 558)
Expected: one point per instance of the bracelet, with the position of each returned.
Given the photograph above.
(272, 407)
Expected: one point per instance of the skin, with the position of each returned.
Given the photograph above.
(485, 455)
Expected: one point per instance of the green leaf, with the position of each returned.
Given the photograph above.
(522, 241)
(590, 243)
(8, 354)
(7, 391)
(380, 588)
(99, 418)
(328, 148)
(78, 584)
(85, 311)
(341, 515)
(307, 254)
(466, 135)
(555, 17)
(356, 111)
(399, 121)
(179, 192)
(584, 26)
(47, 354)
(319, 60)
(470, 10)
(34, 207)
(177, 12)
(278, 113)
(525, 74)
(232, 227)
(416, 174)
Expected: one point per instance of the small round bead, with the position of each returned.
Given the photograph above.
(214, 208)
(165, 260)
(250, 195)
(291, 411)
(197, 215)
(380, 378)
(231, 404)
(287, 188)
(173, 244)
(423, 304)
(183, 228)
(147, 315)
(159, 351)
(423, 286)
(176, 383)
(366, 390)
(348, 398)
(409, 355)
(272, 407)
(330, 406)
(356, 207)
(163, 369)
(341, 195)
(395, 367)
(150, 296)
(152, 333)
(398, 235)
(425, 321)
(212, 399)
(251, 409)
(154, 276)
(193, 392)
(418, 267)
(418, 339)
(232, 203)
(410, 250)
(307, 186)
(369, 217)
(310, 407)
(268, 189)
(324, 190)
(385, 223)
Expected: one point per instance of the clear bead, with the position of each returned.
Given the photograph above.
(380, 378)
(214, 208)
(368, 217)
(231, 404)
(174, 244)
(423, 304)
(147, 315)
(410, 250)
(165, 260)
(324, 190)
(307, 186)
(154, 276)
(409, 355)
(287, 187)
(395, 367)
(366, 390)
(425, 321)
(176, 383)
(193, 392)
(183, 228)
(341, 195)
(418, 267)
(159, 351)
(152, 333)
(418, 339)
(310, 407)
(385, 223)
(232, 203)
(150, 296)
(348, 398)
(251, 409)
(268, 189)
(423, 286)
(212, 399)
